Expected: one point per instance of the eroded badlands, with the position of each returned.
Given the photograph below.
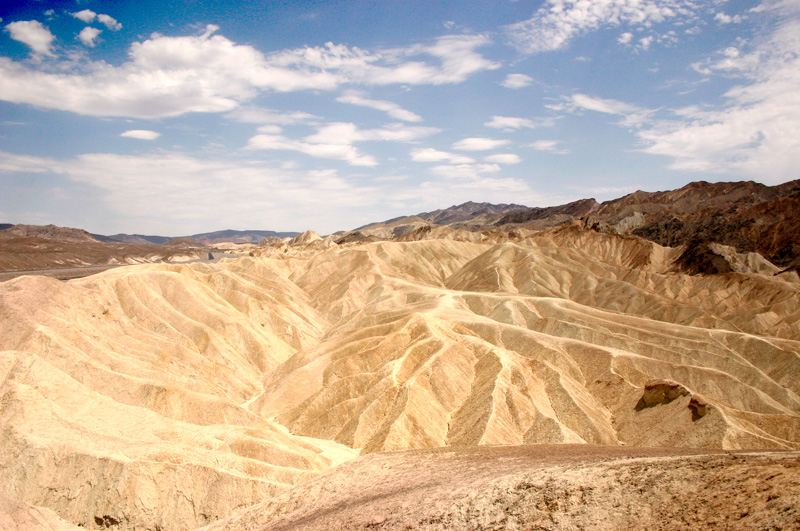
(171, 396)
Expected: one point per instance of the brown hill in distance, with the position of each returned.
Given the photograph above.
(46, 232)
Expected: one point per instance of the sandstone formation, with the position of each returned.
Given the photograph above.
(164, 396)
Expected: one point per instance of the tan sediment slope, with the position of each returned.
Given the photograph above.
(172, 396)
(556, 487)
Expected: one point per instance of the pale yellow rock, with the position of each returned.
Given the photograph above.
(173, 395)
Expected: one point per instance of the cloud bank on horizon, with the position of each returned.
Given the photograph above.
(152, 119)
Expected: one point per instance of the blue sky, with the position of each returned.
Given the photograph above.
(178, 117)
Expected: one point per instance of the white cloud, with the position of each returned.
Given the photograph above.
(337, 151)
(516, 81)
(110, 22)
(757, 133)
(557, 22)
(270, 129)
(551, 146)
(87, 15)
(392, 109)
(503, 158)
(167, 191)
(141, 134)
(335, 141)
(434, 155)
(34, 34)
(479, 144)
(170, 76)
(464, 171)
(511, 123)
(722, 18)
(260, 115)
(347, 133)
(632, 115)
(88, 35)
(625, 38)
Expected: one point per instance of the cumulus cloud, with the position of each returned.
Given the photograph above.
(87, 15)
(33, 34)
(516, 81)
(111, 23)
(511, 123)
(170, 76)
(434, 155)
(141, 134)
(722, 18)
(88, 35)
(479, 144)
(557, 22)
(354, 97)
(503, 158)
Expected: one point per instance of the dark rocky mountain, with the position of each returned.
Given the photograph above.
(746, 215)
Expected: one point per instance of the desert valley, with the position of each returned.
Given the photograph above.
(631, 364)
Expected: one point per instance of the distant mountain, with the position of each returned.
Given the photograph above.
(746, 215)
(46, 232)
(239, 236)
(133, 239)
(207, 238)
(477, 215)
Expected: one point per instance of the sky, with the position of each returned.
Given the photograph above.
(176, 117)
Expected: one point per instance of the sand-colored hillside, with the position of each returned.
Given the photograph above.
(561, 487)
(169, 396)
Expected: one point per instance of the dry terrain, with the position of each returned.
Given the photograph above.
(171, 396)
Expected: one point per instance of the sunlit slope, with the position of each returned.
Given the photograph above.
(123, 393)
(539, 341)
(230, 383)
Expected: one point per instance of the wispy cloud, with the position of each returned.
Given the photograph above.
(757, 132)
(434, 155)
(141, 134)
(551, 146)
(557, 22)
(511, 123)
(354, 97)
(479, 144)
(336, 141)
(503, 158)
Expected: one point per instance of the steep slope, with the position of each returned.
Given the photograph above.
(231, 383)
(121, 390)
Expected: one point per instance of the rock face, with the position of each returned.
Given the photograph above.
(170, 396)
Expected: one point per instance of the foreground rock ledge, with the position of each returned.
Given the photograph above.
(542, 487)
